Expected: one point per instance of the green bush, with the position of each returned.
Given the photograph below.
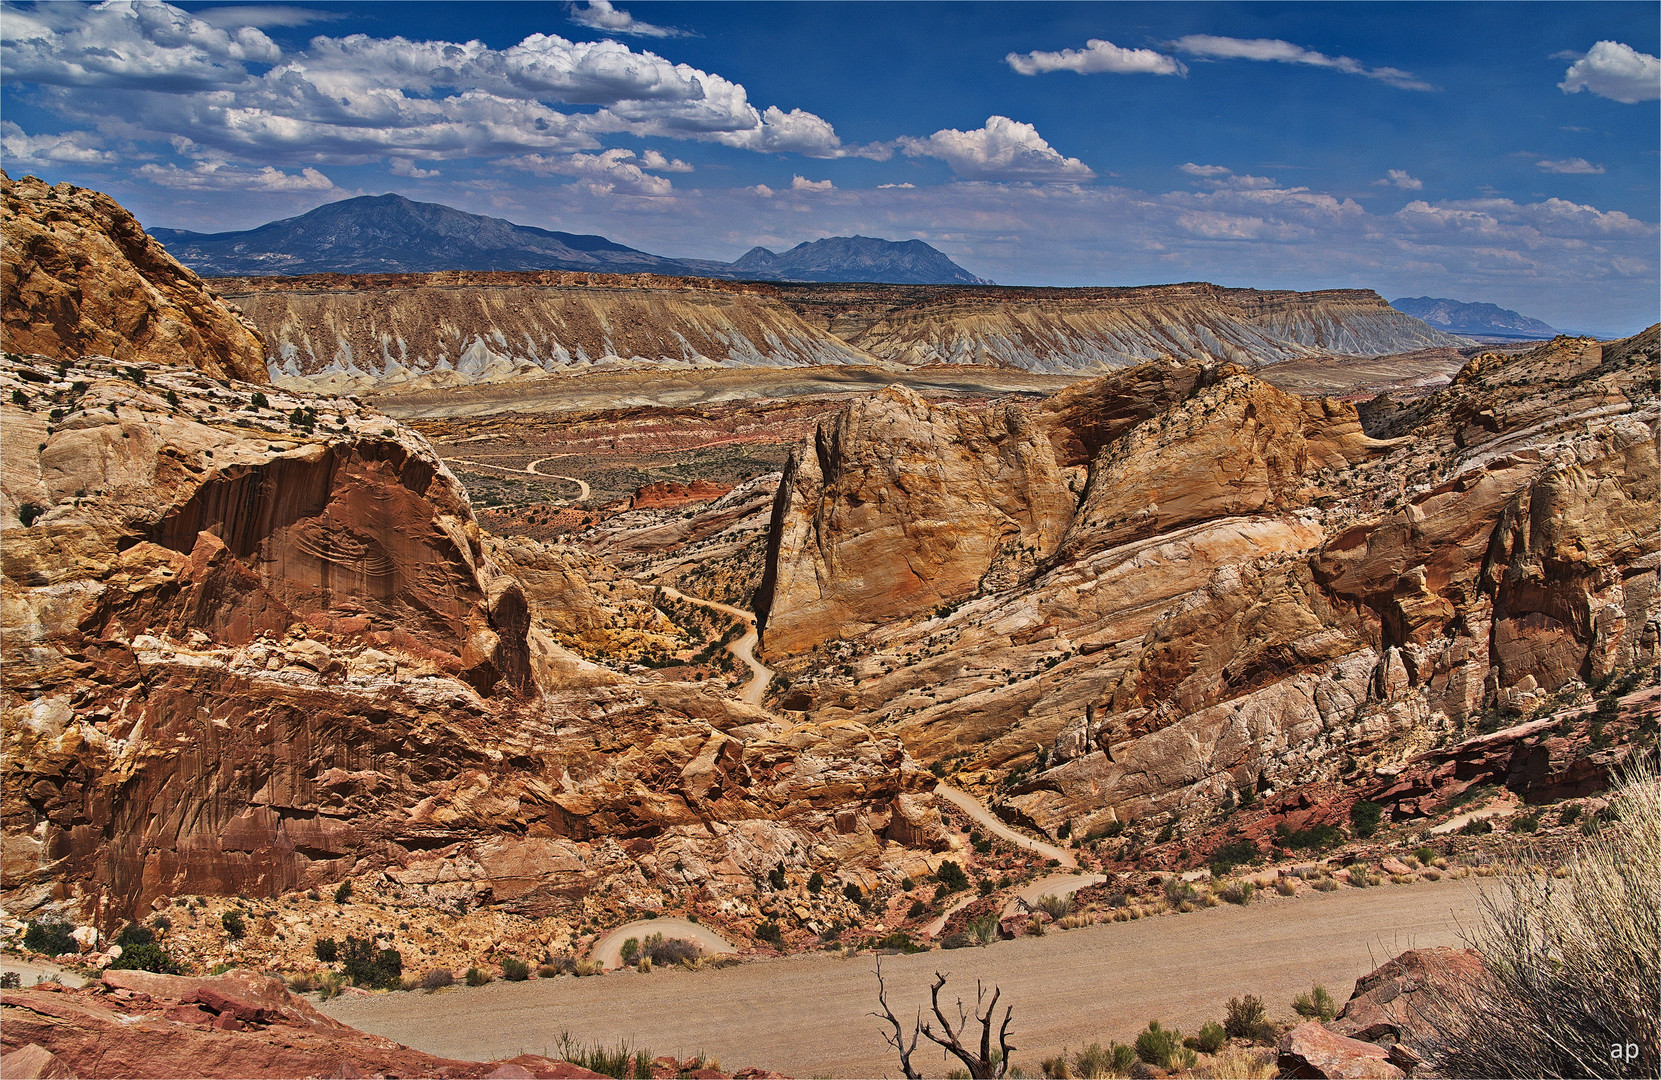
(1525, 823)
(1158, 1046)
(326, 950)
(1247, 1018)
(437, 979)
(917, 910)
(475, 977)
(1365, 818)
(365, 966)
(1239, 892)
(1477, 827)
(952, 876)
(1211, 1038)
(1094, 1060)
(29, 512)
(233, 922)
(1314, 838)
(515, 969)
(775, 876)
(344, 893)
(630, 951)
(901, 941)
(1232, 854)
(662, 950)
(1424, 854)
(146, 956)
(851, 892)
(770, 933)
(1315, 1005)
(135, 935)
(1569, 814)
(815, 882)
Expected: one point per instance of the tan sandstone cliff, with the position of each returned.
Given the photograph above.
(81, 277)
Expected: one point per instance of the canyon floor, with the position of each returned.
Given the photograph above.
(807, 1015)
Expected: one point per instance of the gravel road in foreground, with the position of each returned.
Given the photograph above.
(807, 1015)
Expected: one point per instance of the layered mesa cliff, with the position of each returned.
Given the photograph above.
(490, 325)
(82, 277)
(1172, 586)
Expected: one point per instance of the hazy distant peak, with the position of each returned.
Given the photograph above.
(1472, 320)
(858, 258)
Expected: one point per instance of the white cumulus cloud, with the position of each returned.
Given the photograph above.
(1569, 165)
(1096, 57)
(1002, 149)
(1400, 178)
(603, 15)
(80, 147)
(802, 183)
(609, 171)
(402, 166)
(1284, 52)
(1615, 71)
(151, 45)
(221, 176)
(1204, 170)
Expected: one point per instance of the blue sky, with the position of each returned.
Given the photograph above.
(1488, 152)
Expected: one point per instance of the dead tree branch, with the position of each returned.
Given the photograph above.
(983, 1066)
(897, 1040)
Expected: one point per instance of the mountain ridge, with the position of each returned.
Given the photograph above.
(1473, 320)
(393, 234)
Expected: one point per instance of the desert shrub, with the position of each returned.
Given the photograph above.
(1358, 876)
(1365, 818)
(1568, 814)
(1425, 854)
(303, 983)
(475, 977)
(326, 950)
(329, 984)
(233, 922)
(515, 969)
(1177, 890)
(1315, 1005)
(901, 941)
(134, 935)
(1211, 1038)
(582, 969)
(956, 941)
(1574, 963)
(1232, 854)
(952, 876)
(1247, 1018)
(1286, 886)
(437, 979)
(1238, 892)
(631, 950)
(770, 933)
(1159, 1046)
(161, 924)
(775, 877)
(815, 882)
(664, 950)
(1056, 907)
(1477, 827)
(29, 512)
(548, 971)
(1095, 1061)
(364, 965)
(1525, 823)
(621, 1061)
(146, 956)
(851, 891)
(1314, 838)
(344, 893)
(983, 930)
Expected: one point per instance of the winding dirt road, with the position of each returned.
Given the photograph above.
(609, 949)
(584, 491)
(808, 1015)
(977, 810)
(742, 648)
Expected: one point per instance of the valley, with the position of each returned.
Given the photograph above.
(876, 621)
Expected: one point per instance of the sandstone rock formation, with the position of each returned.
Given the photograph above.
(253, 655)
(387, 328)
(81, 277)
(1251, 593)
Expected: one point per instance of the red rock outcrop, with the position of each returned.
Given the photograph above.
(667, 494)
(141, 1026)
(82, 277)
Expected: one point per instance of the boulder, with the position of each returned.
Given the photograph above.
(1310, 1050)
(1398, 1002)
(33, 1062)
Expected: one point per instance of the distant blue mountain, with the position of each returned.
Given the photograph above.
(1472, 320)
(391, 234)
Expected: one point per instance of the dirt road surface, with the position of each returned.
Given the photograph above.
(977, 810)
(807, 1015)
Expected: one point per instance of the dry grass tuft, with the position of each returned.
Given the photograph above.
(1574, 962)
(1237, 1064)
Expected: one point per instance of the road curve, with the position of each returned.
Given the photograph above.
(977, 810)
(609, 949)
(743, 648)
(584, 490)
(808, 1015)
